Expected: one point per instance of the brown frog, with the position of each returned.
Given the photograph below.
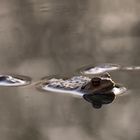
(99, 90)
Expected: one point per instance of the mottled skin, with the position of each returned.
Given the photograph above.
(99, 84)
(98, 90)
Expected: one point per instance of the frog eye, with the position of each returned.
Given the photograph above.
(96, 81)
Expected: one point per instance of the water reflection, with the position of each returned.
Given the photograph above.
(14, 80)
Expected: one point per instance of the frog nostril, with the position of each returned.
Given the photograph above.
(96, 81)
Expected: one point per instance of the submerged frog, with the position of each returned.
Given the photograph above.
(99, 90)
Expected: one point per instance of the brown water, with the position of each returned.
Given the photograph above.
(42, 38)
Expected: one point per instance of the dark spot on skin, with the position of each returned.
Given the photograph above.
(96, 81)
(83, 87)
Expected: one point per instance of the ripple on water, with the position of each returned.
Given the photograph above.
(92, 70)
(99, 69)
(11, 80)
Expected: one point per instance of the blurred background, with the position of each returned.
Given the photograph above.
(46, 37)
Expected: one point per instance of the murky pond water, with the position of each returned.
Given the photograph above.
(43, 38)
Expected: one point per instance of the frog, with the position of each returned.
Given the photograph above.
(99, 90)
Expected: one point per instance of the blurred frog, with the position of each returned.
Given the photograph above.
(99, 90)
